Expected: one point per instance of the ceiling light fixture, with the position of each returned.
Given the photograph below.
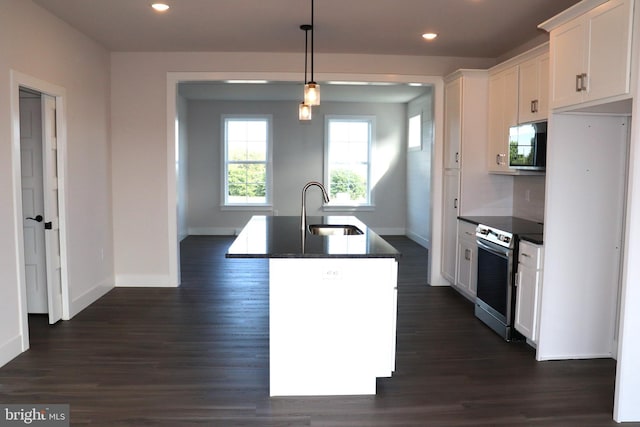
(160, 7)
(429, 36)
(304, 109)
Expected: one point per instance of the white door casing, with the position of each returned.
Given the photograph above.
(33, 202)
(51, 214)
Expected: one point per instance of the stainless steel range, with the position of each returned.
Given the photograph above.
(497, 239)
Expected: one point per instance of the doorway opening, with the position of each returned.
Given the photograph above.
(39, 137)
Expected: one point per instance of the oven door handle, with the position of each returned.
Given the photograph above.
(503, 253)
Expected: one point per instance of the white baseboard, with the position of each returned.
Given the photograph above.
(573, 356)
(213, 231)
(422, 241)
(10, 350)
(389, 231)
(141, 280)
(90, 296)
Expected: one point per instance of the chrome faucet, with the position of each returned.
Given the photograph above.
(303, 214)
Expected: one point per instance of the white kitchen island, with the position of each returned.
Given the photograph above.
(332, 305)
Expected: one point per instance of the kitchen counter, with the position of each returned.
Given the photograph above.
(536, 238)
(281, 237)
(332, 305)
(511, 224)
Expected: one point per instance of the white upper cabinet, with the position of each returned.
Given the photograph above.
(591, 55)
(503, 113)
(453, 123)
(534, 89)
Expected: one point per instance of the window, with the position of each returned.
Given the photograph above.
(415, 132)
(247, 160)
(347, 160)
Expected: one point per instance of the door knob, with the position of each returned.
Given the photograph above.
(38, 218)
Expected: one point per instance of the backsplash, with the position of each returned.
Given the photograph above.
(528, 197)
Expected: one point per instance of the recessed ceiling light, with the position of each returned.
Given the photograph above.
(429, 36)
(160, 7)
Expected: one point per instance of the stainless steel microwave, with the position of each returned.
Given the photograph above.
(528, 146)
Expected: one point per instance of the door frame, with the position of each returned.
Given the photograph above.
(177, 77)
(19, 80)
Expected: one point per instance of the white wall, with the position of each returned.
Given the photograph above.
(528, 197)
(298, 152)
(35, 44)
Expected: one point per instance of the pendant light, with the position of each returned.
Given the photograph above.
(312, 89)
(304, 109)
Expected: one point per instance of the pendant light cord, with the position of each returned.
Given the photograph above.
(312, 37)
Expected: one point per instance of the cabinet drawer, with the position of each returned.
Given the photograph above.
(466, 230)
(530, 255)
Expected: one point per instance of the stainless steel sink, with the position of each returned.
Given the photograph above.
(334, 230)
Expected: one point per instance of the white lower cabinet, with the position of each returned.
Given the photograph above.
(528, 289)
(467, 268)
(332, 325)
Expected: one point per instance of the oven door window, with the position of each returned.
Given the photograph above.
(493, 280)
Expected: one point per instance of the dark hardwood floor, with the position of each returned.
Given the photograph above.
(198, 355)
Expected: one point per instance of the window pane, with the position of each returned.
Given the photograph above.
(415, 131)
(256, 150)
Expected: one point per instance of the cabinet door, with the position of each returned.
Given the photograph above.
(609, 53)
(527, 301)
(534, 86)
(503, 113)
(567, 50)
(453, 124)
(467, 266)
(450, 224)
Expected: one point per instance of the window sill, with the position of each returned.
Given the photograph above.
(261, 208)
(349, 208)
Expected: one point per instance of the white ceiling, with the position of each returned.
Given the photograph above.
(468, 28)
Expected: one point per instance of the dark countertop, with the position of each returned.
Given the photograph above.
(537, 238)
(511, 224)
(281, 237)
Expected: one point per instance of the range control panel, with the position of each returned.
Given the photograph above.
(499, 237)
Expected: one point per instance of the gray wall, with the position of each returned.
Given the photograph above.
(419, 174)
(298, 150)
(182, 166)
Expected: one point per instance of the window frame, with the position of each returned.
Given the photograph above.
(371, 120)
(268, 162)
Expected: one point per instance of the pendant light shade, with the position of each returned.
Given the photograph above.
(312, 93)
(304, 111)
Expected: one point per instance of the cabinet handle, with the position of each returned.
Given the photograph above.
(525, 255)
(467, 254)
(533, 106)
(578, 82)
(583, 81)
(457, 157)
(498, 159)
(455, 203)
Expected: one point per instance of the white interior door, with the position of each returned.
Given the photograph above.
(51, 209)
(33, 202)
